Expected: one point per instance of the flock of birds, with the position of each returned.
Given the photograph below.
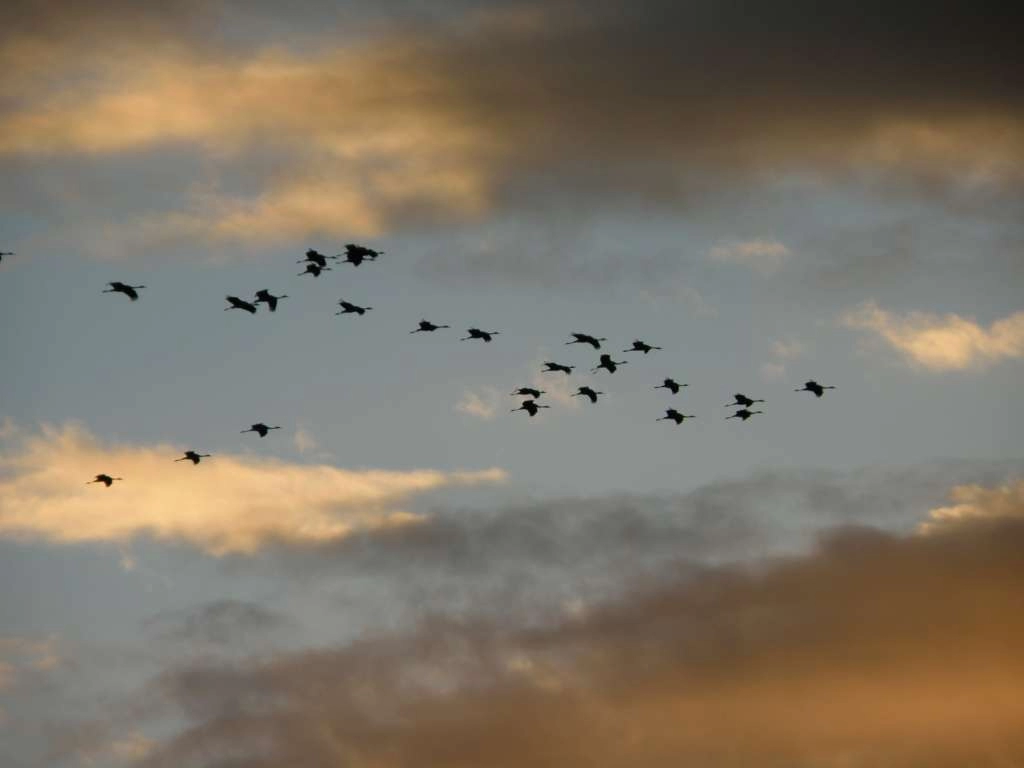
(316, 263)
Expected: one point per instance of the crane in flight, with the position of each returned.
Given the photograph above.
(743, 400)
(587, 392)
(640, 346)
(672, 385)
(553, 367)
(528, 391)
(671, 414)
(608, 364)
(193, 457)
(107, 480)
(131, 291)
(743, 413)
(269, 299)
(357, 254)
(237, 303)
(815, 387)
(586, 338)
(314, 270)
(348, 308)
(530, 407)
(476, 333)
(259, 427)
(425, 326)
(315, 257)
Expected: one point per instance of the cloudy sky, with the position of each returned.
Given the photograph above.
(406, 573)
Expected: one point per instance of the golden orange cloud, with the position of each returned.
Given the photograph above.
(227, 504)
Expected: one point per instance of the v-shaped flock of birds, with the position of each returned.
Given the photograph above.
(316, 263)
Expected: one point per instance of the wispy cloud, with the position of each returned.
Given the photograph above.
(480, 405)
(977, 502)
(765, 256)
(942, 342)
(226, 504)
(782, 351)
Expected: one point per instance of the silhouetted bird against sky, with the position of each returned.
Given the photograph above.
(639, 346)
(428, 327)
(608, 364)
(347, 308)
(314, 270)
(237, 303)
(5, 253)
(743, 400)
(127, 290)
(552, 367)
(261, 428)
(534, 393)
(671, 384)
(671, 414)
(743, 414)
(586, 338)
(193, 457)
(269, 299)
(530, 407)
(815, 387)
(357, 254)
(316, 257)
(476, 333)
(107, 480)
(587, 392)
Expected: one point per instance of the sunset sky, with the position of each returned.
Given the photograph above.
(406, 574)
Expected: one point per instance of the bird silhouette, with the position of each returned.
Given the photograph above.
(741, 399)
(314, 270)
(107, 480)
(269, 299)
(530, 407)
(237, 303)
(261, 428)
(476, 333)
(671, 414)
(316, 257)
(815, 387)
(534, 393)
(357, 254)
(5, 253)
(552, 367)
(425, 326)
(671, 384)
(743, 413)
(347, 308)
(586, 338)
(587, 392)
(193, 457)
(639, 346)
(608, 364)
(128, 290)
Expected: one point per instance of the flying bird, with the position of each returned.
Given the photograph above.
(552, 367)
(586, 338)
(107, 480)
(815, 387)
(314, 270)
(269, 299)
(671, 384)
(261, 428)
(347, 308)
(741, 399)
(237, 303)
(639, 346)
(743, 413)
(315, 257)
(5, 253)
(530, 407)
(357, 254)
(671, 414)
(587, 392)
(425, 326)
(608, 364)
(193, 456)
(128, 290)
(534, 393)
(476, 333)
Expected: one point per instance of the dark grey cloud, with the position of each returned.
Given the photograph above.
(878, 649)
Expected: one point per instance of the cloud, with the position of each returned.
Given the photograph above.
(304, 441)
(765, 256)
(482, 405)
(224, 622)
(942, 343)
(227, 504)
(873, 650)
(782, 351)
(977, 502)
